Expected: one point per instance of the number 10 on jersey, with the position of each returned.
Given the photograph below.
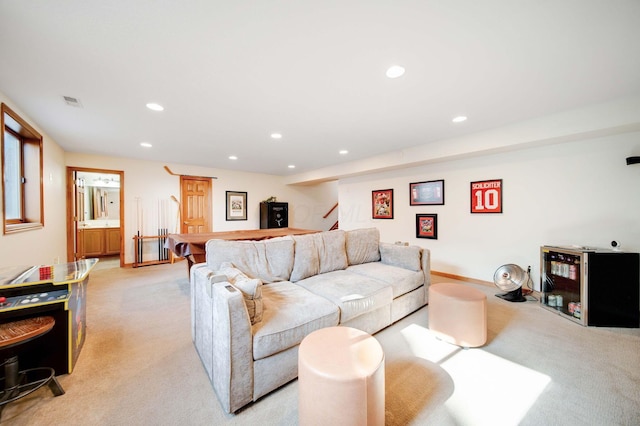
(486, 196)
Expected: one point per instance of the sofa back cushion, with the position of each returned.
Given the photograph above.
(362, 245)
(306, 262)
(407, 257)
(319, 253)
(269, 260)
(331, 250)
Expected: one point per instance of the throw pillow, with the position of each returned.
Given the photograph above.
(251, 289)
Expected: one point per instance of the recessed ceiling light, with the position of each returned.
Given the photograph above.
(395, 71)
(145, 144)
(233, 157)
(276, 136)
(155, 107)
(291, 166)
(459, 119)
(343, 152)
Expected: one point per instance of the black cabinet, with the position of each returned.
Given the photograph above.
(595, 287)
(274, 215)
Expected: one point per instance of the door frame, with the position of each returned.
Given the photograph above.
(72, 228)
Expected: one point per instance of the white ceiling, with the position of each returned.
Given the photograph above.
(230, 73)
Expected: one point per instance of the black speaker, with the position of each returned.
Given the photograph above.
(274, 215)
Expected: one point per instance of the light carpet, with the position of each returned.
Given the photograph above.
(139, 367)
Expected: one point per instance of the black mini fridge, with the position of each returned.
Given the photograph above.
(591, 286)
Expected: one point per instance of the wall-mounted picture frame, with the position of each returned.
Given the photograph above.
(236, 205)
(486, 196)
(427, 226)
(426, 193)
(382, 204)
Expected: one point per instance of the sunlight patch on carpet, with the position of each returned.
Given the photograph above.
(489, 390)
(425, 345)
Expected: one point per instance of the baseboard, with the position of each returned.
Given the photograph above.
(525, 291)
(461, 278)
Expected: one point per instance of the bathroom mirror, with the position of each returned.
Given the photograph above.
(102, 203)
(101, 197)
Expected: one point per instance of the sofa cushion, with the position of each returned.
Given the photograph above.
(407, 257)
(290, 313)
(402, 280)
(354, 294)
(251, 289)
(362, 245)
(318, 253)
(269, 260)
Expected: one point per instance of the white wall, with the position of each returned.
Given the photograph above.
(147, 185)
(576, 191)
(579, 192)
(49, 244)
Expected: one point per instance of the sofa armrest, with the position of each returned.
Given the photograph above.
(425, 262)
(198, 277)
(232, 348)
(222, 335)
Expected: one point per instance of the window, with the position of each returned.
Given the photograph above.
(22, 207)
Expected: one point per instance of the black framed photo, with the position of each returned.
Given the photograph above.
(236, 205)
(426, 193)
(427, 226)
(382, 204)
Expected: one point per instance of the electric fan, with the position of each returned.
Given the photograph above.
(510, 278)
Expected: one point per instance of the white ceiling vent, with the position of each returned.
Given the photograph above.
(75, 102)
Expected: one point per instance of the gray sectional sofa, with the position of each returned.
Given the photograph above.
(253, 302)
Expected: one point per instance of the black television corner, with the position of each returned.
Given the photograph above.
(274, 215)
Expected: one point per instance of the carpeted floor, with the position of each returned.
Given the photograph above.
(139, 367)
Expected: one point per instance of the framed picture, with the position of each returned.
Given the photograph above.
(486, 196)
(236, 205)
(427, 226)
(382, 204)
(426, 193)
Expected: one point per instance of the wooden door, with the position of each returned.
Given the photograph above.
(195, 195)
(78, 217)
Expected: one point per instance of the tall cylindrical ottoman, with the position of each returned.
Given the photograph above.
(340, 378)
(458, 314)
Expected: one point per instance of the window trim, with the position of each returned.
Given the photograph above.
(31, 140)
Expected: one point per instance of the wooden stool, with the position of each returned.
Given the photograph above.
(458, 314)
(340, 378)
(18, 384)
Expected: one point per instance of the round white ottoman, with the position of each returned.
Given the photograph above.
(458, 314)
(340, 378)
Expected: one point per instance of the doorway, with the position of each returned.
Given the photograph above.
(95, 214)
